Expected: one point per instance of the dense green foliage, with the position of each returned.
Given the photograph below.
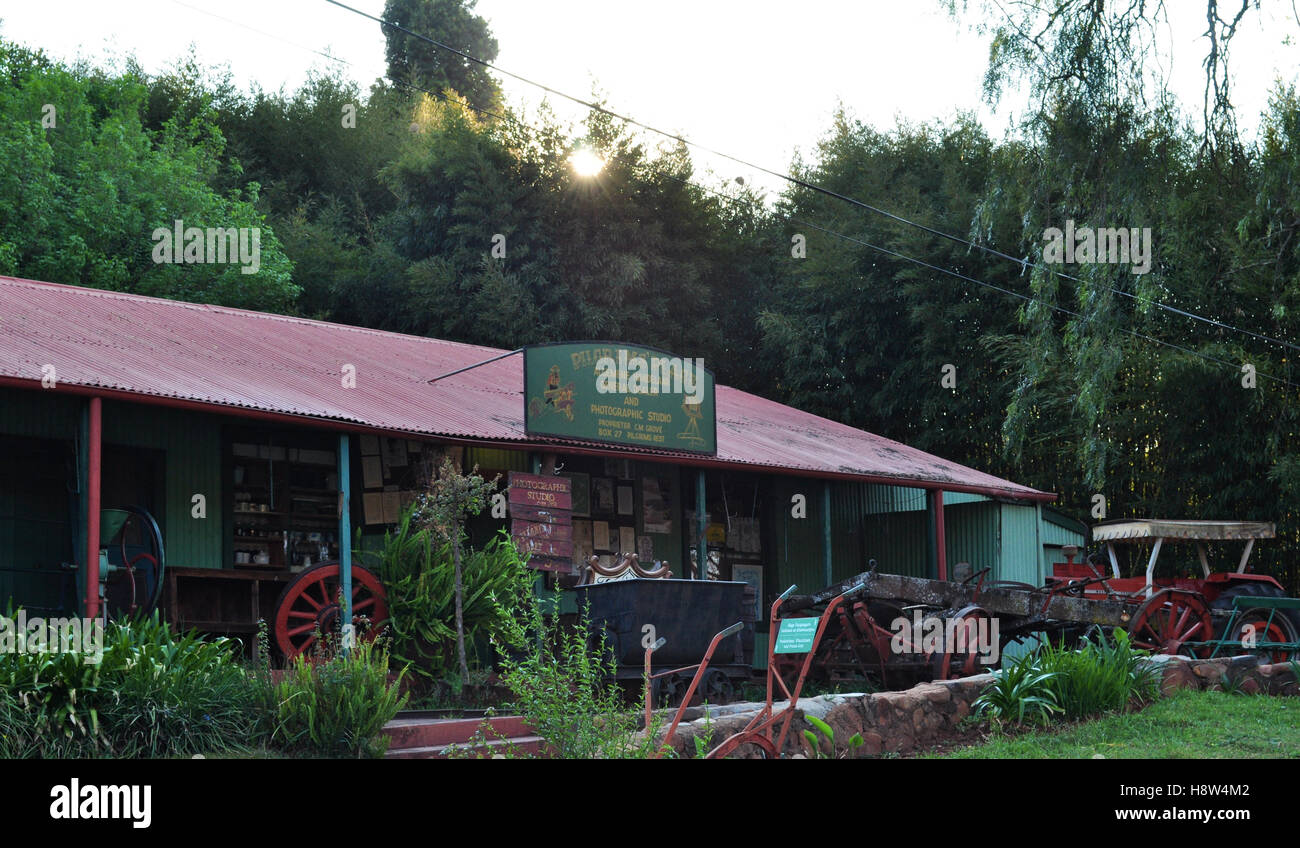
(416, 568)
(562, 681)
(79, 200)
(1102, 674)
(336, 705)
(448, 214)
(156, 693)
(152, 694)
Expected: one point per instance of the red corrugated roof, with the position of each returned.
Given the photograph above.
(293, 366)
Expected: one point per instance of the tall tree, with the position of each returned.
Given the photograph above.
(414, 61)
(84, 186)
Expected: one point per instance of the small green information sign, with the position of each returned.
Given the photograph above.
(796, 635)
(622, 394)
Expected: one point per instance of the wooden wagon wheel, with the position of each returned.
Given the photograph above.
(1170, 618)
(310, 604)
(962, 658)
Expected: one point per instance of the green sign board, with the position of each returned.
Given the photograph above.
(620, 394)
(796, 635)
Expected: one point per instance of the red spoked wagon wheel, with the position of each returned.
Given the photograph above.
(1170, 618)
(310, 605)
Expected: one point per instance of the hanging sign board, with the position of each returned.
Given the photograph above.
(541, 521)
(629, 395)
(796, 635)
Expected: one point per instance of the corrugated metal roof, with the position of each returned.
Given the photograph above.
(294, 366)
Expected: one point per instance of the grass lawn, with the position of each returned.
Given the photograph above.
(1188, 724)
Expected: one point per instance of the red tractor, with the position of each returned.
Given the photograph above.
(1180, 610)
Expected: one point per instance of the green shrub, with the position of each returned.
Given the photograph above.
(1021, 693)
(152, 694)
(173, 695)
(415, 566)
(337, 706)
(563, 684)
(1104, 675)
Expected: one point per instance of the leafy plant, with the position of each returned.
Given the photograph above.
(172, 695)
(814, 743)
(338, 706)
(152, 693)
(704, 740)
(1018, 694)
(562, 682)
(1105, 674)
(450, 499)
(417, 570)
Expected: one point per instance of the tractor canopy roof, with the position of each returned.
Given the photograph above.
(1181, 531)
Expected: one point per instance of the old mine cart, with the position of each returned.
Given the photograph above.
(900, 629)
(634, 607)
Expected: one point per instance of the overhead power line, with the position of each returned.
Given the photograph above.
(792, 219)
(1023, 262)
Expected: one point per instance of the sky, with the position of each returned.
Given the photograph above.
(759, 79)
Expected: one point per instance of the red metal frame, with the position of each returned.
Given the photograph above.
(690, 690)
(94, 463)
(759, 729)
(940, 537)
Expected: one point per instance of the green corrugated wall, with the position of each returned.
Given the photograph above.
(797, 541)
(971, 535)
(1053, 536)
(41, 414)
(192, 444)
(35, 515)
(1021, 551)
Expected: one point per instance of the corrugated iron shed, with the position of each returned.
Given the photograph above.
(165, 351)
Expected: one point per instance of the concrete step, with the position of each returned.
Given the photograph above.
(522, 744)
(428, 732)
(424, 737)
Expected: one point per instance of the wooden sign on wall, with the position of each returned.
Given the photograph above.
(542, 519)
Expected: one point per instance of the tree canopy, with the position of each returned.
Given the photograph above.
(442, 212)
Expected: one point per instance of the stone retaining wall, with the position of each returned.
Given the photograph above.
(930, 712)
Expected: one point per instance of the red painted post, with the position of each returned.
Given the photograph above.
(93, 454)
(940, 543)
